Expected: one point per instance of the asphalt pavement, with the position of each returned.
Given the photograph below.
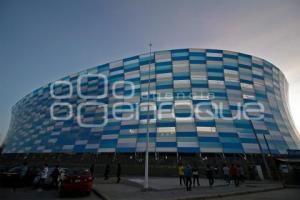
(124, 191)
(167, 188)
(33, 194)
(283, 194)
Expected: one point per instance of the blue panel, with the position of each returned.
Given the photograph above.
(214, 51)
(188, 150)
(205, 123)
(109, 143)
(126, 150)
(209, 139)
(186, 134)
(166, 144)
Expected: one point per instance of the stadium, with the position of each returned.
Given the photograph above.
(188, 101)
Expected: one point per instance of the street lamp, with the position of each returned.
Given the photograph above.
(146, 181)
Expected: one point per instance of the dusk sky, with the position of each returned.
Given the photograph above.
(42, 41)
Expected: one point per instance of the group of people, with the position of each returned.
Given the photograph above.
(235, 173)
(37, 176)
(40, 179)
(118, 172)
(189, 175)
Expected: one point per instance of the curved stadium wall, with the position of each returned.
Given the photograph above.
(78, 113)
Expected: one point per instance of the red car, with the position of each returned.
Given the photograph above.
(77, 180)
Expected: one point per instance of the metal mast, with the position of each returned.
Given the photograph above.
(146, 181)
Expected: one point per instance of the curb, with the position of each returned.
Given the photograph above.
(102, 196)
(292, 186)
(231, 194)
(138, 185)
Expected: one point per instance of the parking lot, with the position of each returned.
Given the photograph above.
(32, 194)
(23, 181)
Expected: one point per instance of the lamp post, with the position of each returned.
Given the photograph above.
(146, 181)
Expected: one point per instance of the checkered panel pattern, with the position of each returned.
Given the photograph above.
(231, 77)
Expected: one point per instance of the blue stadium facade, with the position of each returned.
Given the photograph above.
(225, 77)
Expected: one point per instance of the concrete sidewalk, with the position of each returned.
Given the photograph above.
(168, 188)
(168, 183)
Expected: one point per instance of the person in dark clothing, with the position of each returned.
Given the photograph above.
(119, 169)
(209, 175)
(234, 175)
(54, 176)
(24, 174)
(238, 172)
(106, 172)
(226, 174)
(188, 177)
(32, 173)
(241, 174)
(92, 169)
(195, 175)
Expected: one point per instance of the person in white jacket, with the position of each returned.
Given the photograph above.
(44, 175)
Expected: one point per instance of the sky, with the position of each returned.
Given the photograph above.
(42, 41)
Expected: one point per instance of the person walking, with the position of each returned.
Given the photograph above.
(55, 175)
(238, 174)
(44, 175)
(106, 172)
(181, 174)
(188, 177)
(119, 169)
(92, 169)
(234, 174)
(24, 173)
(241, 174)
(226, 174)
(195, 171)
(209, 175)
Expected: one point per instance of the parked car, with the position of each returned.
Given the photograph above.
(76, 180)
(3, 168)
(11, 177)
